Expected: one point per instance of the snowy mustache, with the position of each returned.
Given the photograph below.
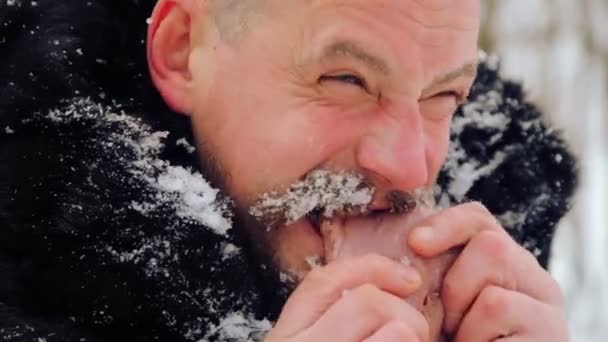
(327, 194)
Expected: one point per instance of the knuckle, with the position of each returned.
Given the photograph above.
(365, 294)
(554, 292)
(483, 216)
(480, 218)
(547, 286)
(321, 281)
(489, 222)
(365, 297)
(477, 207)
(375, 261)
(558, 294)
(493, 302)
(375, 266)
(401, 331)
(401, 328)
(416, 321)
(367, 291)
(413, 327)
(494, 245)
(529, 258)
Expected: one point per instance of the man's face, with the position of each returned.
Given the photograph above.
(366, 86)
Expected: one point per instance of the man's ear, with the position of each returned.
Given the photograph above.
(168, 49)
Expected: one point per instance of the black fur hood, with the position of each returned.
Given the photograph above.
(108, 230)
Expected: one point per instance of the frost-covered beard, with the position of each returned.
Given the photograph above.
(320, 192)
(324, 194)
(246, 231)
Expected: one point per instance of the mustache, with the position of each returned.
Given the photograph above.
(328, 193)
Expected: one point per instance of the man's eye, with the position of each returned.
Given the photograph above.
(345, 78)
(442, 105)
(456, 96)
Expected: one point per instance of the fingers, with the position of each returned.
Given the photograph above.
(364, 312)
(324, 286)
(451, 228)
(394, 331)
(505, 315)
(492, 258)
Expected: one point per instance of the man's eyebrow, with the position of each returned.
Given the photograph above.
(354, 50)
(467, 70)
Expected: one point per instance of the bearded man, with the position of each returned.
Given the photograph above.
(344, 207)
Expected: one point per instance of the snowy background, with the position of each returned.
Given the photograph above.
(559, 48)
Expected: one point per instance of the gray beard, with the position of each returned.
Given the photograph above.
(249, 233)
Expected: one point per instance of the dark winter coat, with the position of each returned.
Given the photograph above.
(98, 239)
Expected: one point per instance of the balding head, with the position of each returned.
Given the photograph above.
(234, 18)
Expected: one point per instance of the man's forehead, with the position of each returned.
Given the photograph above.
(436, 4)
(428, 15)
(448, 33)
(433, 5)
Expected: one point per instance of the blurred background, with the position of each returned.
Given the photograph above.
(559, 49)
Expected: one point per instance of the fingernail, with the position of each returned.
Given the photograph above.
(422, 235)
(410, 275)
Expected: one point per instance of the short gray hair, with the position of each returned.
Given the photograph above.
(235, 17)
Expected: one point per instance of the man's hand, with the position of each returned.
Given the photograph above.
(353, 300)
(496, 290)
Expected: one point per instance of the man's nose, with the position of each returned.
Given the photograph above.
(395, 150)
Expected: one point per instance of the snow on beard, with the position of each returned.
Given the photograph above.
(328, 194)
(337, 203)
(320, 192)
